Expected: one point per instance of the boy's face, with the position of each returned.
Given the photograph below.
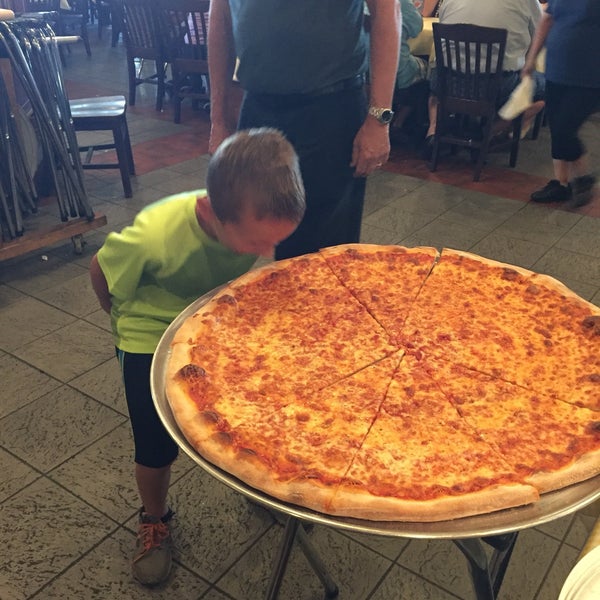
(254, 236)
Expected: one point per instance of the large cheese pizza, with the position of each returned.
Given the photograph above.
(391, 383)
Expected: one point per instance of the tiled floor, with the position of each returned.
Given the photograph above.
(67, 494)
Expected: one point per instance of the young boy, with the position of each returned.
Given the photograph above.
(176, 250)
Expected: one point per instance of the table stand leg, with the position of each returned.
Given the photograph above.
(331, 589)
(487, 577)
(294, 530)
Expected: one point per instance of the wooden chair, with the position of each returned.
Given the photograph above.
(184, 31)
(140, 34)
(74, 22)
(469, 76)
(105, 114)
(110, 12)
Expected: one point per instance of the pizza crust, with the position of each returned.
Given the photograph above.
(366, 249)
(582, 468)
(350, 502)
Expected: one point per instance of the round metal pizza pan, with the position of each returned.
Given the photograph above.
(551, 506)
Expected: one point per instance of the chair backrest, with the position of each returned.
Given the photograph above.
(469, 65)
(183, 26)
(140, 29)
(41, 5)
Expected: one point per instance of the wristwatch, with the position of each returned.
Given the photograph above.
(383, 115)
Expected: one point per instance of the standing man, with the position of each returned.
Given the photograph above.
(302, 67)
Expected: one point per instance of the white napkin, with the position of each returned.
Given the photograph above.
(520, 99)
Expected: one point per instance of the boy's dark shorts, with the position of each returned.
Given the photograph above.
(154, 447)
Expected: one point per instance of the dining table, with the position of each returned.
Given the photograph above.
(422, 45)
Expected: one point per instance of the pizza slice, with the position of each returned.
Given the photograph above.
(502, 320)
(289, 327)
(549, 443)
(371, 272)
(420, 461)
(296, 451)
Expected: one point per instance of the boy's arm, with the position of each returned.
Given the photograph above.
(100, 285)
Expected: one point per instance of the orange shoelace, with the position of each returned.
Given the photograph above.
(152, 535)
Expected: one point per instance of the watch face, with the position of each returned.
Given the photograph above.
(386, 116)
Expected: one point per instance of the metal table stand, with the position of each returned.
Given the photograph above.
(488, 576)
(294, 531)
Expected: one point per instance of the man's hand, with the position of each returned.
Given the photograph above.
(371, 148)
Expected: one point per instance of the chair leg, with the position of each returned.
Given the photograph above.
(119, 136)
(132, 80)
(114, 36)
(160, 89)
(483, 149)
(537, 124)
(514, 146)
(127, 144)
(436, 140)
(435, 153)
(176, 95)
(86, 39)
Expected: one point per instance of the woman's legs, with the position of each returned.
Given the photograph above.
(568, 108)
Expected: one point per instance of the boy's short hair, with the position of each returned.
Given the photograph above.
(257, 168)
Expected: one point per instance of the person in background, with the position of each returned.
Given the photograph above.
(519, 18)
(412, 70)
(570, 29)
(428, 8)
(302, 67)
(177, 250)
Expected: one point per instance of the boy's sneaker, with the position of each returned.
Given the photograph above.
(582, 190)
(152, 562)
(553, 191)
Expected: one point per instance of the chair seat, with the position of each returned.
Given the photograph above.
(101, 107)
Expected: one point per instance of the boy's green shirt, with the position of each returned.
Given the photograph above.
(158, 266)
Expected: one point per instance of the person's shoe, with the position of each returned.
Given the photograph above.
(152, 562)
(553, 191)
(582, 189)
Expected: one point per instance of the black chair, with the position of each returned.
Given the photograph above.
(183, 26)
(74, 22)
(110, 12)
(105, 114)
(140, 34)
(469, 76)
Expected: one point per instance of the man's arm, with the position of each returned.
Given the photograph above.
(372, 144)
(100, 285)
(221, 66)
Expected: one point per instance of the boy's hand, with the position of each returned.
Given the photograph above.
(100, 285)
